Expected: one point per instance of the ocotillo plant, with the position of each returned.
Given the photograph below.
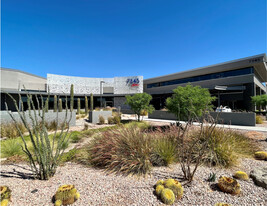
(60, 105)
(91, 102)
(86, 105)
(71, 97)
(46, 153)
(55, 103)
(79, 106)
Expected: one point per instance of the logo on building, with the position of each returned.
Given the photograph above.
(133, 82)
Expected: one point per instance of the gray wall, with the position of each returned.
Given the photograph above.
(232, 118)
(49, 117)
(94, 116)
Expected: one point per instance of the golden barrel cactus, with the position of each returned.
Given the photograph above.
(159, 189)
(241, 175)
(167, 196)
(66, 195)
(175, 186)
(159, 182)
(222, 204)
(5, 195)
(261, 155)
(229, 185)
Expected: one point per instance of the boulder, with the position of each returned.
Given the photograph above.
(259, 176)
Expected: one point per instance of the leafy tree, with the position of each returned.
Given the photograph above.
(189, 100)
(139, 103)
(260, 101)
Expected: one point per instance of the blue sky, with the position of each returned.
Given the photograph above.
(106, 38)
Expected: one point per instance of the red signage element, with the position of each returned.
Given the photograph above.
(135, 85)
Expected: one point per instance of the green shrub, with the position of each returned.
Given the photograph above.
(117, 119)
(69, 156)
(134, 124)
(226, 146)
(11, 147)
(101, 120)
(124, 150)
(110, 120)
(259, 119)
(164, 151)
(75, 137)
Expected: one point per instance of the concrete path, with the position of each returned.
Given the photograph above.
(249, 128)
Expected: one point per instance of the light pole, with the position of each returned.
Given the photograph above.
(101, 82)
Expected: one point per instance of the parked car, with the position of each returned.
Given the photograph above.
(223, 109)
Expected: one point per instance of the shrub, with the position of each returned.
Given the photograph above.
(86, 126)
(241, 175)
(229, 185)
(117, 120)
(75, 137)
(125, 150)
(164, 151)
(11, 147)
(110, 120)
(226, 146)
(101, 120)
(68, 156)
(259, 119)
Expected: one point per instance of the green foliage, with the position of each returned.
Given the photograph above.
(110, 120)
(60, 105)
(117, 119)
(10, 147)
(91, 102)
(189, 100)
(71, 97)
(140, 102)
(101, 120)
(75, 137)
(226, 146)
(164, 151)
(9, 130)
(69, 156)
(55, 103)
(86, 105)
(229, 185)
(123, 150)
(260, 101)
(167, 196)
(78, 106)
(134, 124)
(259, 119)
(212, 177)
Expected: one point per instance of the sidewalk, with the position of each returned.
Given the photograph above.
(249, 128)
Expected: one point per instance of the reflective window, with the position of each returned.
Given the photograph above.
(217, 75)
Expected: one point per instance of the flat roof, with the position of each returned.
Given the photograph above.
(17, 70)
(257, 61)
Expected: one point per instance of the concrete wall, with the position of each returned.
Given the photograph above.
(94, 116)
(49, 117)
(233, 118)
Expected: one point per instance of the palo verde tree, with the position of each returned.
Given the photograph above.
(71, 97)
(45, 156)
(189, 100)
(139, 103)
(260, 101)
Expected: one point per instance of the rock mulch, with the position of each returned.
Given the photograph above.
(98, 188)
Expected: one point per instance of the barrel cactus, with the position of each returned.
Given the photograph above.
(167, 196)
(66, 195)
(5, 195)
(241, 175)
(222, 204)
(159, 189)
(261, 155)
(159, 182)
(175, 186)
(229, 185)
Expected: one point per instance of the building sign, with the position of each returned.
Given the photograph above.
(133, 82)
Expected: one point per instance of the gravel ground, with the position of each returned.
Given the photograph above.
(98, 188)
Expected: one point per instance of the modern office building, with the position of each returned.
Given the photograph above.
(233, 83)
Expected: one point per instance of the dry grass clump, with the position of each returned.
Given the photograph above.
(259, 119)
(226, 147)
(9, 130)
